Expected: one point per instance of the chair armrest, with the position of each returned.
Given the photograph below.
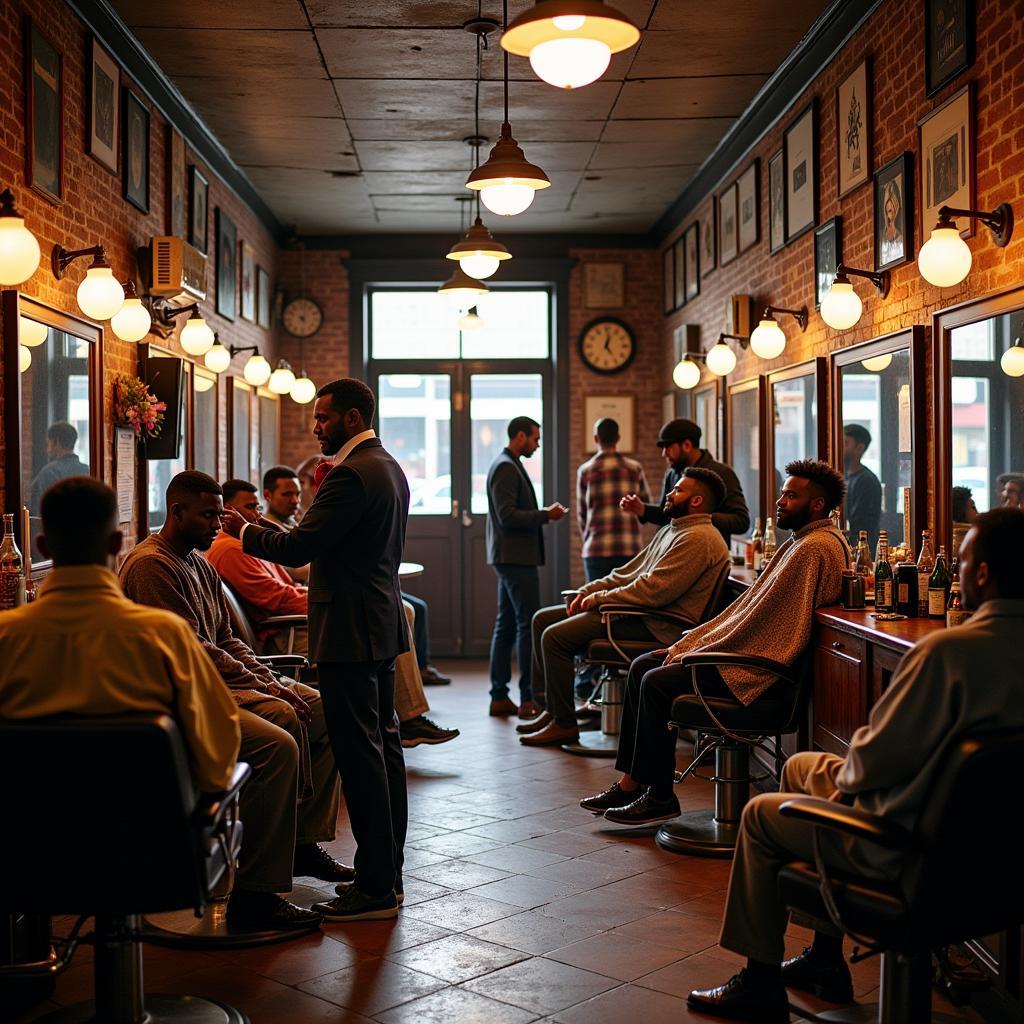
(627, 610)
(212, 806)
(742, 660)
(283, 620)
(849, 820)
(282, 661)
(567, 593)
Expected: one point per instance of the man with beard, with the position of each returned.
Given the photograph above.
(677, 571)
(773, 619)
(863, 491)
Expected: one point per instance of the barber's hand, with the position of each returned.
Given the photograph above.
(287, 694)
(632, 503)
(555, 511)
(231, 522)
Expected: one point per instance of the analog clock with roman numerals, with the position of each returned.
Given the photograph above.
(607, 345)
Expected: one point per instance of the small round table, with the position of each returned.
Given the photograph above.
(409, 570)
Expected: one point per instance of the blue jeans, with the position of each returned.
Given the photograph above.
(420, 629)
(518, 599)
(599, 567)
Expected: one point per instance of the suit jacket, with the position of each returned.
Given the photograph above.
(514, 522)
(352, 537)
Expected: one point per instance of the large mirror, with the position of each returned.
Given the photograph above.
(160, 471)
(239, 429)
(707, 401)
(744, 456)
(204, 422)
(270, 409)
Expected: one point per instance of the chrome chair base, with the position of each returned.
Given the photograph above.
(593, 744)
(160, 1009)
(697, 833)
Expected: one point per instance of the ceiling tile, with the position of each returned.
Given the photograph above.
(697, 132)
(722, 96)
(234, 14)
(763, 16)
(395, 128)
(251, 101)
(417, 182)
(646, 154)
(399, 53)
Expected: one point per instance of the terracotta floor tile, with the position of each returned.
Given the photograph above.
(456, 1004)
(596, 909)
(377, 938)
(291, 962)
(419, 891)
(687, 934)
(372, 986)
(534, 932)
(615, 957)
(457, 958)
(460, 911)
(457, 844)
(292, 1006)
(414, 857)
(703, 970)
(510, 831)
(516, 858)
(458, 874)
(540, 985)
(583, 875)
(525, 891)
(628, 851)
(625, 1003)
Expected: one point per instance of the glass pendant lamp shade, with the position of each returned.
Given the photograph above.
(506, 182)
(132, 321)
(196, 337)
(945, 259)
(478, 254)
(841, 307)
(1012, 360)
(876, 364)
(303, 390)
(282, 379)
(257, 370)
(100, 294)
(217, 359)
(31, 333)
(24, 358)
(462, 290)
(19, 250)
(767, 340)
(721, 360)
(686, 374)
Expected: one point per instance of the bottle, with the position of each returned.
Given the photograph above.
(748, 553)
(883, 538)
(770, 542)
(906, 589)
(756, 546)
(884, 596)
(11, 567)
(925, 564)
(956, 613)
(938, 587)
(862, 557)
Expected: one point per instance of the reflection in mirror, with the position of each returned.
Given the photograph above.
(160, 472)
(268, 435)
(744, 434)
(205, 415)
(241, 431)
(794, 429)
(705, 415)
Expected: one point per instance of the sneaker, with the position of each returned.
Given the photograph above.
(738, 1000)
(431, 677)
(268, 912)
(313, 861)
(422, 730)
(355, 905)
(831, 982)
(645, 810)
(613, 796)
(343, 888)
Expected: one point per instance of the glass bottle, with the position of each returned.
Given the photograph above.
(956, 613)
(925, 564)
(883, 538)
(770, 541)
(884, 596)
(938, 587)
(757, 546)
(862, 557)
(906, 588)
(11, 567)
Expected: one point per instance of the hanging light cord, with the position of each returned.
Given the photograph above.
(504, 29)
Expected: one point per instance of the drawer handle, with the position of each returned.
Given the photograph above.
(837, 644)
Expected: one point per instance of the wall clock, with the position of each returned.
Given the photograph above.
(302, 318)
(607, 345)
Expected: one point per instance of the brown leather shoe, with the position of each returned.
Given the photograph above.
(503, 709)
(552, 735)
(536, 725)
(529, 709)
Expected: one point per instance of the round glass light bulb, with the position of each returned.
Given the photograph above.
(19, 251)
(132, 321)
(24, 358)
(570, 63)
(31, 332)
(721, 360)
(462, 298)
(281, 380)
(876, 364)
(568, 22)
(257, 370)
(202, 383)
(472, 321)
(767, 340)
(686, 374)
(217, 359)
(841, 307)
(507, 198)
(479, 265)
(100, 294)
(196, 337)
(1012, 361)
(303, 391)
(945, 259)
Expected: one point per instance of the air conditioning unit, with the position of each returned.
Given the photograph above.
(177, 270)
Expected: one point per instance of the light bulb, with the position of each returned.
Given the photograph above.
(721, 360)
(568, 22)
(876, 364)
(507, 198)
(945, 259)
(132, 321)
(479, 265)
(570, 63)
(282, 379)
(100, 294)
(31, 332)
(303, 390)
(472, 321)
(1012, 360)
(841, 307)
(202, 383)
(24, 358)
(19, 250)
(767, 340)
(196, 337)
(257, 370)
(686, 374)
(218, 358)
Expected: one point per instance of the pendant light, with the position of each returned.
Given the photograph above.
(282, 379)
(462, 290)
(471, 321)
(19, 250)
(569, 42)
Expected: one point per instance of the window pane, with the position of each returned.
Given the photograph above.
(269, 408)
(972, 458)
(515, 327)
(415, 417)
(206, 424)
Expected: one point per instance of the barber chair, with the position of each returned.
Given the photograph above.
(960, 876)
(100, 819)
(246, 632)
(731, 730)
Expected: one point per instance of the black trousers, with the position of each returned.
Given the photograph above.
(647, 748)
(359, 705)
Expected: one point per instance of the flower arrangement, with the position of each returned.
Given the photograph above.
(136, 408)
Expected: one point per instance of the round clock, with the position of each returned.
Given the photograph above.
(302, 318)
(607, 345)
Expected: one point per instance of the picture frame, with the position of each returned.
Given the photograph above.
(668, 406)
(247, 282)
(748, 212)
(621, 408)
(135, 143)
(227, 268)
(691, 247)
(828, 254)
(854, 129)
(946, 139)
(604, 285)
(176, 206)
(198, 210)
(104, 127)
(263, 298)
(668, 280)
(679, 274)
(708, 241)
(949, 29)
(776, 203)
(800, 159)
(44, 114)
(894, 212)
(728, 238)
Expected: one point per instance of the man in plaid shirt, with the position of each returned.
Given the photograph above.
(611, 536)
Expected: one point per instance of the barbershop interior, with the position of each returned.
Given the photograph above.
(513, 510)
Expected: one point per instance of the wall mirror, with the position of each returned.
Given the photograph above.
(878, 432)
(239, 429)
(53, 420)
(206, 440)
(270, 427)
(745, 454)
(706, 406)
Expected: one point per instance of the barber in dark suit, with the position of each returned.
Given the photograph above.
(352, 538)
(515, 547)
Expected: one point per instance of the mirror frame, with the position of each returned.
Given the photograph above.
(710, 382)
(233, 385)
(913, 340)
(760, 385)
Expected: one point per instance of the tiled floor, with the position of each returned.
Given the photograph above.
(519, 906)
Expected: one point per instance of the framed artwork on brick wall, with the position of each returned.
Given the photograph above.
(248, 282)
(176, 206)
(104, 107)
(617, 407)
(947, 159)
(135, 140)
(800, 158)
(894, 212)
(227, 269)
(668, 280)
(776, 203)
(748, 208)
(948, 41)
(828, 254)
(604, 285)
(44, 114)
(691, 244)
(854, 128)
(262, 298)
(708, 240)
(198, 210)
(727, 236)
(679, 275)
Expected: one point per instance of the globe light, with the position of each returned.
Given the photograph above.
(471, 321)
(196, 337)
(480, 265)
(201, 383)
(721, 360)
(303, 390)
(282, 379)
(19, 250)
(24, 358)
(1012, 360)
(876, 364)
(686, 374)
(100, 294)
(132, 321)
(257, 370)
(478, 254)
(767, 340)
(570, 63)
(217, 359)
(461, 290)
(945, 259)
(506, 181)
(841, 307)
(31, 332)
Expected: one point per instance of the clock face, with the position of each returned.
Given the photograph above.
(607, 346)
(302, 318)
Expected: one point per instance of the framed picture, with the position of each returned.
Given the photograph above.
(894, 212)
(854, 128)
(668, 280)
(679, 276)
(617, 407)
(691, 245)
(747, 207)
(104, 107)
(948, 41)
(604, 285)
(198, 218)
(227, 259)
(175, 184)
(708, 239)
(800, 157)
(727, 237)
(44, 114)
(947, 159)
(668, 406)
(828, 254)
(776, 203)
(135, 137)
(262, 298)
(248, 282)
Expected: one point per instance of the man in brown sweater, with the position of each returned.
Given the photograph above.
(772, 619)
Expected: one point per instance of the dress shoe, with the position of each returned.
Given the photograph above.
(613, 796)
(831, 982)
(355, 905)
(645, 810)
(737, 1000)
(422, 730)
(552, 735)
(503, 708)
(542, 720)
(268, 912)
(313, 861)
(529, 709)
(431, 677)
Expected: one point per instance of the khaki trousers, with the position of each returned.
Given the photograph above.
(273, 822)
(755, 917)
(410, 700)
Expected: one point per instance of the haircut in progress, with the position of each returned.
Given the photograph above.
(858, 434)
(711, 484)
(607, 431)
(79, 516)
(349, 393)
(63, 435)
(233, 487)
(999, 543)
(190, 484)
(521, 425)
(821, 475)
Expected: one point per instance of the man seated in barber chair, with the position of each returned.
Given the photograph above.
(284, 736)
(677, 572)
(954, 683)
(772, 619)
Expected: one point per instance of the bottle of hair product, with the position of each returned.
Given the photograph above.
(956, 613)
(757, 546)
(770, 541)
(862, 557)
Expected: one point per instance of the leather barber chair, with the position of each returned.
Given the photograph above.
(246, 632)
(100, 819)
(960, 876)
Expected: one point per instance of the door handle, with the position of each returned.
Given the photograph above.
(455, 508)
(467, 519)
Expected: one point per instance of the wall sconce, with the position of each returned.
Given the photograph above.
(100, 294)
(31, 332)
(686, 374)
(218, 358)
(945, 259)
(720, 359)
(767, 339)
(282, 379)
(303, 390)
(19, 250)
(132, 321)
(257, 370)
(1012, 360)
(196, 337)
(841, 307)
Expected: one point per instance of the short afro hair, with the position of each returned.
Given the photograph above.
(233, 487)
(79, 514)
(822, 476)
(711, 483)
(190, 484)
(999, 542)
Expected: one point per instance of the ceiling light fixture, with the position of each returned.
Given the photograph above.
(462, 290)
(569, 42)
(19, 250)
(767, 339)
(945, 259)
(100, 294)
(471, 321)
(841, 307)
(132, 321)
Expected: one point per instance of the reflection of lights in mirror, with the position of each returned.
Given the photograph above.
(202, 383)
(30, 332)
(1012, 360)
(24, 358)
(877, 363)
